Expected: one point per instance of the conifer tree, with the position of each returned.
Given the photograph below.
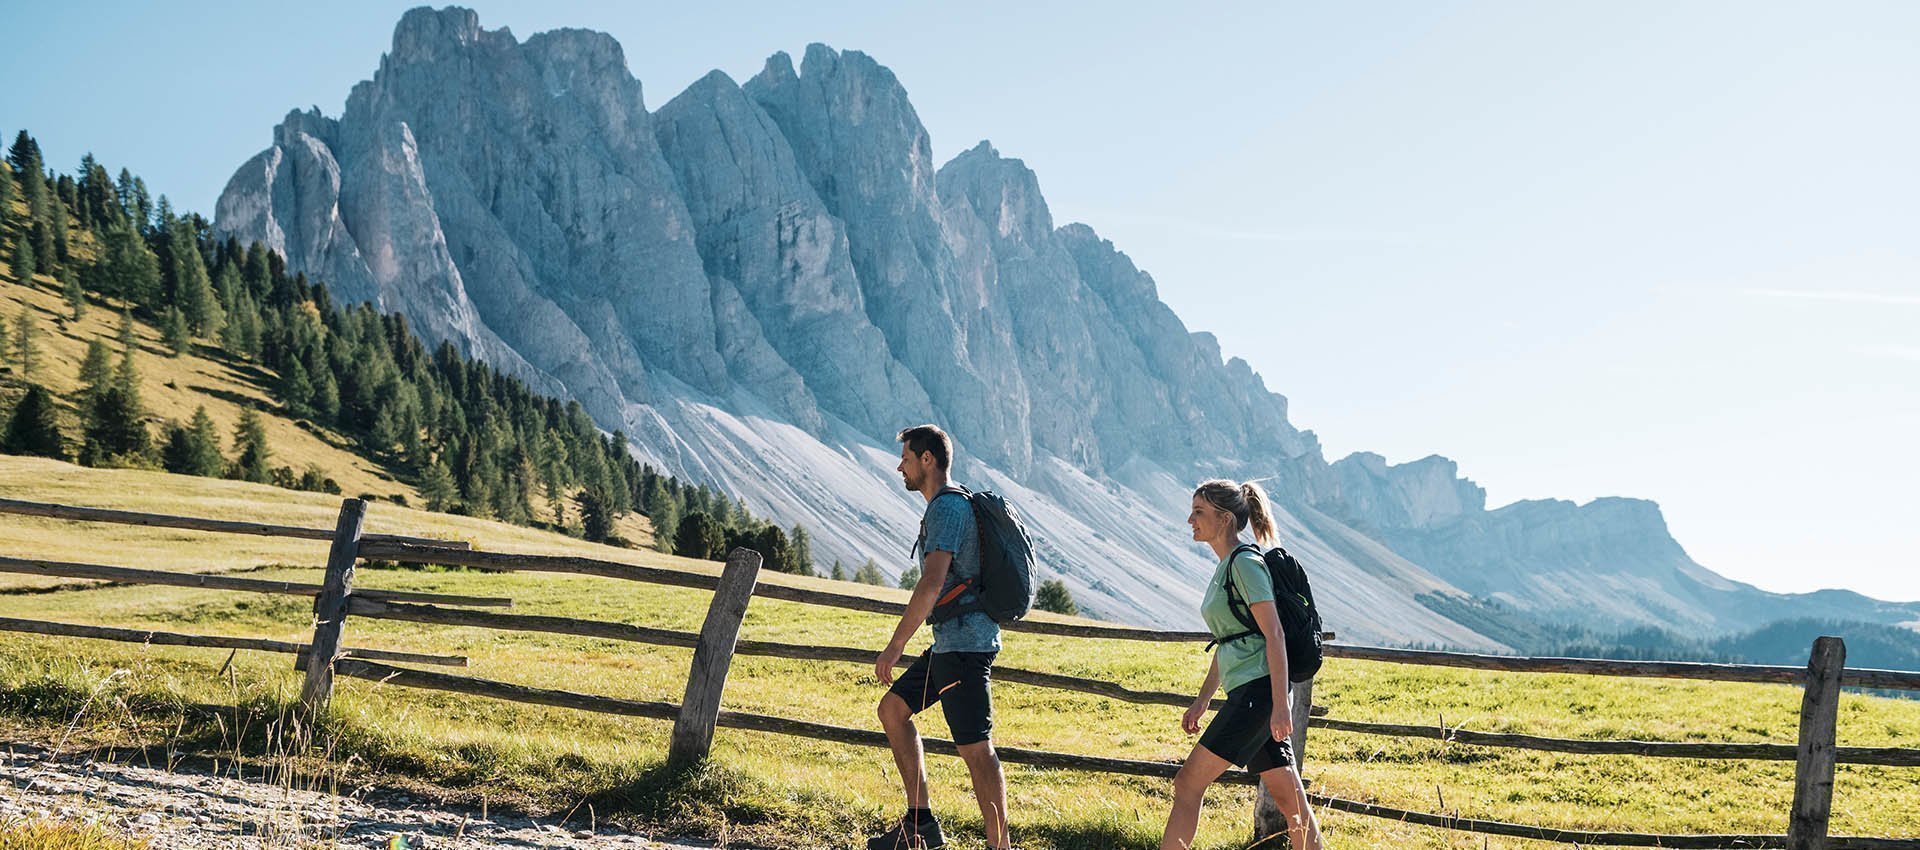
(174, 325)
(437, 487)
(125, 336)
(1054, 596)
(74, 294)
(96, 375)
(910, 577)
(698, 537)
(35, 427)
(115, 431)
(24, 263)
(802, 551)
(596, 520)
(193, 290)
(126, 267)
(869, 573)
(45, 253)
(7, 191)
(251, 450)
(194, 449)
(839, 571)
(25, 342)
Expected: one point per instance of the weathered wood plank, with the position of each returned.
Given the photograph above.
(1889, 756)
(1863, 678)
(158, 638)
(712, 657)
(667, 637)
(330, 610)
(130, 575)
(1813, 767)
(73, 512)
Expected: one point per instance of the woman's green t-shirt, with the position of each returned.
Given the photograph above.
(1243, 660)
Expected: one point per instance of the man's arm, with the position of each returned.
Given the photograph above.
(933, 574)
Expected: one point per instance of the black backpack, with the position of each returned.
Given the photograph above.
(1005, 586)
(1293, 599)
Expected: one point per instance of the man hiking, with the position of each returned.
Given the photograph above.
(954, 672)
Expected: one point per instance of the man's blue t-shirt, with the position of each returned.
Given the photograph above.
(950, 528)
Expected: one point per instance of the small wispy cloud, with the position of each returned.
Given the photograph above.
(1896, 352)
(1840, 296)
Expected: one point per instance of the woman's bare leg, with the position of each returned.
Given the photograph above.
(1189, 789)
(1290, 795)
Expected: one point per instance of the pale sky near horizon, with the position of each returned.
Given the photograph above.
(1651, 249)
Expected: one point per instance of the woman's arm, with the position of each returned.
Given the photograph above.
(1268, 618)
(1191, 721)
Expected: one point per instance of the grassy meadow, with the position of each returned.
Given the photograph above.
(793, 792)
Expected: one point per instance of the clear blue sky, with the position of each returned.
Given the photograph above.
(1668, 250)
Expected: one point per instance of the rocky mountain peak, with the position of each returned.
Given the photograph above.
(1003, 193)
(426, 34)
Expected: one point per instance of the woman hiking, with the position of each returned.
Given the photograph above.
(1253, 728)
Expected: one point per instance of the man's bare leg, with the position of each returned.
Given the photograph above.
(904, 738)
(990, 788)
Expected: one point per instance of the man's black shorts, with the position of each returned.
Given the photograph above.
(1242, 732)
(959, 682)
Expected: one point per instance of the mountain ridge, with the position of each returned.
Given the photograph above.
(759, 282)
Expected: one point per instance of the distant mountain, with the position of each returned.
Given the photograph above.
(760, 283)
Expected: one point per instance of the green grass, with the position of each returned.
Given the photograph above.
(61, 835)
(801, 793)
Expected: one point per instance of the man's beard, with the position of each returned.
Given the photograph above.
(911, 485)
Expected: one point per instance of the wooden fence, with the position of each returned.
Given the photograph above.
(699, 712)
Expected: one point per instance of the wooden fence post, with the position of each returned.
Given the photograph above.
(1267, 819)
(330, 609)
(700, 710)
(1813, 768)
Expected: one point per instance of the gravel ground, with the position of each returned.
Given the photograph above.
(182, 809)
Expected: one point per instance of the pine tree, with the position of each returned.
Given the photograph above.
(839, 571)
(869, 573)
(76, 297)
(193, 291)
(438, 487)
(174, 325)
(126, 268)
(7, 191)
(596, 519)
(96, 374)
(24, 263)
(35, 427)
(46, 254)
(126, 336)
(910, 577)
(803, 551)
(1054, 596)
(698, 537)
(772, 545)
(251, 450)
(195, 449)
(115, 432)
(26, 343)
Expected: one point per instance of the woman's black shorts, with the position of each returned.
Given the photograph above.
(1242, 732)
(961, 683)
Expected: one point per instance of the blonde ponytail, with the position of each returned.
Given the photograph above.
(1258, 515)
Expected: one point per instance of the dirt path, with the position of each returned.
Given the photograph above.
(181, 809)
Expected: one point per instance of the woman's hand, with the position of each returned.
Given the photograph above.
(1282, 722)
(883, 666)
(1191, 720)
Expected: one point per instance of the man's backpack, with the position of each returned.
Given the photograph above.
(1004, 589)
(1293, 599)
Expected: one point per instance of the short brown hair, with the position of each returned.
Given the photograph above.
(929, 438)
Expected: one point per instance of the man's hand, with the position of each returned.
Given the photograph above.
(1191, 720)
(1282, 723)
(883, 666)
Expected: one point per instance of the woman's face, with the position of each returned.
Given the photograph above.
(1207, 521)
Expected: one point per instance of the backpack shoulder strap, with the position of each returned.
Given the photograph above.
(1235, 603)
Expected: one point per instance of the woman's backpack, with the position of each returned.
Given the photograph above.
(1293, 599)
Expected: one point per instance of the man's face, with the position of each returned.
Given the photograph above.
(913, 468)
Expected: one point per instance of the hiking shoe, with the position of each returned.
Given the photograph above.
(910, 834)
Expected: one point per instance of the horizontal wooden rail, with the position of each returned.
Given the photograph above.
(71, 512)
(1041, 758)
(1852, 677)
(11, 624)
(382, 610)
(505, 562)
(130, 575)
(1888, 756)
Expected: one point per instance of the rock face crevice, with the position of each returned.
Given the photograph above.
(761, 282)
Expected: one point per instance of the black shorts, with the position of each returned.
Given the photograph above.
(1242, 732)
(959, 682)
